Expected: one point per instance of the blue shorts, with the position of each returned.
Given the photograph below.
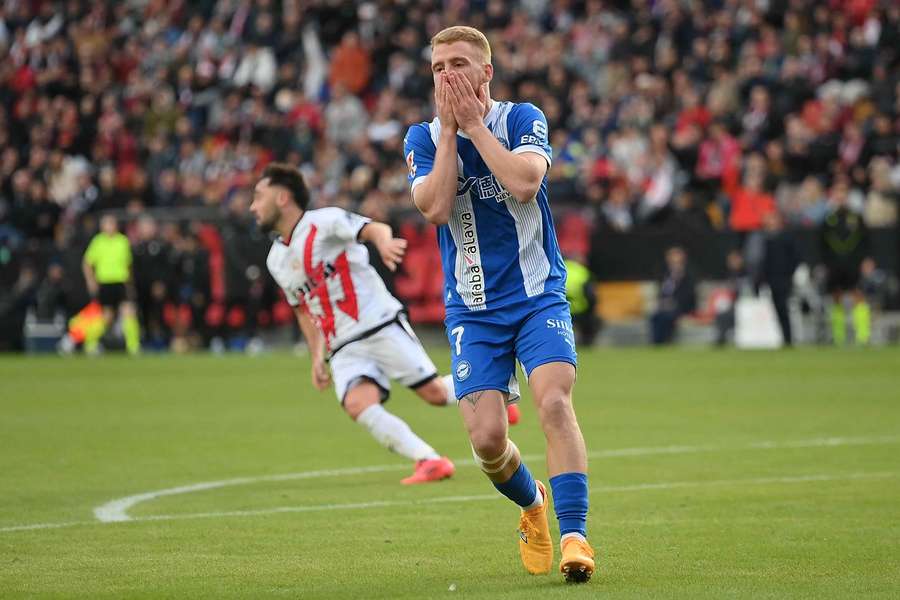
(484, 345)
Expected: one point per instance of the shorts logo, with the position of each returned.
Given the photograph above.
(463, 370)
(559, 324)
(563, 329)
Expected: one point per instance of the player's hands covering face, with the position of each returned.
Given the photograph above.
(442, 103)
(468, 105)
(392, 251)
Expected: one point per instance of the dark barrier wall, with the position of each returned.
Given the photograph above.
(639, 255)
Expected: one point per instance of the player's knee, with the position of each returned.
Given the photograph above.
(555, 410)
(358, 400)
(488, 442)
(433, 392)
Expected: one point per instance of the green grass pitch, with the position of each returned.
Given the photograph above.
(714, 475)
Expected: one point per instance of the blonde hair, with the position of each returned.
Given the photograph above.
(462, 33)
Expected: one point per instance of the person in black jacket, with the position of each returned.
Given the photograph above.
(780, 260)
(677, 297)
(844, 246)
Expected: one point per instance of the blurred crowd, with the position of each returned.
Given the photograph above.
(692, 115)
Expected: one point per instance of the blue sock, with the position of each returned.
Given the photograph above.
(520, 488)
(570, 501)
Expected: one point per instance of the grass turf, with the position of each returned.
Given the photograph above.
(713, 475)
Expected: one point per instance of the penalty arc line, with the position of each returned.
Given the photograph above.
(117, 510)
(662, 485)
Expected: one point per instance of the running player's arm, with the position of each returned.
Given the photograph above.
(310, 333)
(381, 235)
(522, 168)
(321, 378)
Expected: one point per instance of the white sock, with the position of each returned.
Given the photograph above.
(574, 534)
(394, 434)
(451, 391)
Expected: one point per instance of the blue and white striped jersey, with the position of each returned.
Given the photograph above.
(496, 251)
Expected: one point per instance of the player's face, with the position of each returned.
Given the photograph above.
(263, 206)
(460, 57)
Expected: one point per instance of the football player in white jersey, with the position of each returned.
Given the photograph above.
(346, 314)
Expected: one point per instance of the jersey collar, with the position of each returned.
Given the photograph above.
(287, 242)
(489, 118)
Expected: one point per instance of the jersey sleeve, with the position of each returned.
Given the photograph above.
(291, 298)
(419, 151)
(528, 131)
(345, 225)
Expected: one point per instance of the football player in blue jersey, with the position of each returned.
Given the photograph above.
(478, 171)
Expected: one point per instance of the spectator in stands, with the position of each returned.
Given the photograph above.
(750, 202)
(350, 64)
(808, 205)
(180, 107)
(345, 117)
(718, 159)
(883, 197)
(617, 211)
(50, 299)
(677, 297)
(14, 303)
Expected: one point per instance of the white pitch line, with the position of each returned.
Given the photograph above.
(117, 510)
(640, 487)
(45, 526)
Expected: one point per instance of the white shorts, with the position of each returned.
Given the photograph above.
(393, 352)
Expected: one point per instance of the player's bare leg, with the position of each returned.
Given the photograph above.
(551, 385)
(437, 392)
(485, 417)
(443, 394)
(363, 404)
